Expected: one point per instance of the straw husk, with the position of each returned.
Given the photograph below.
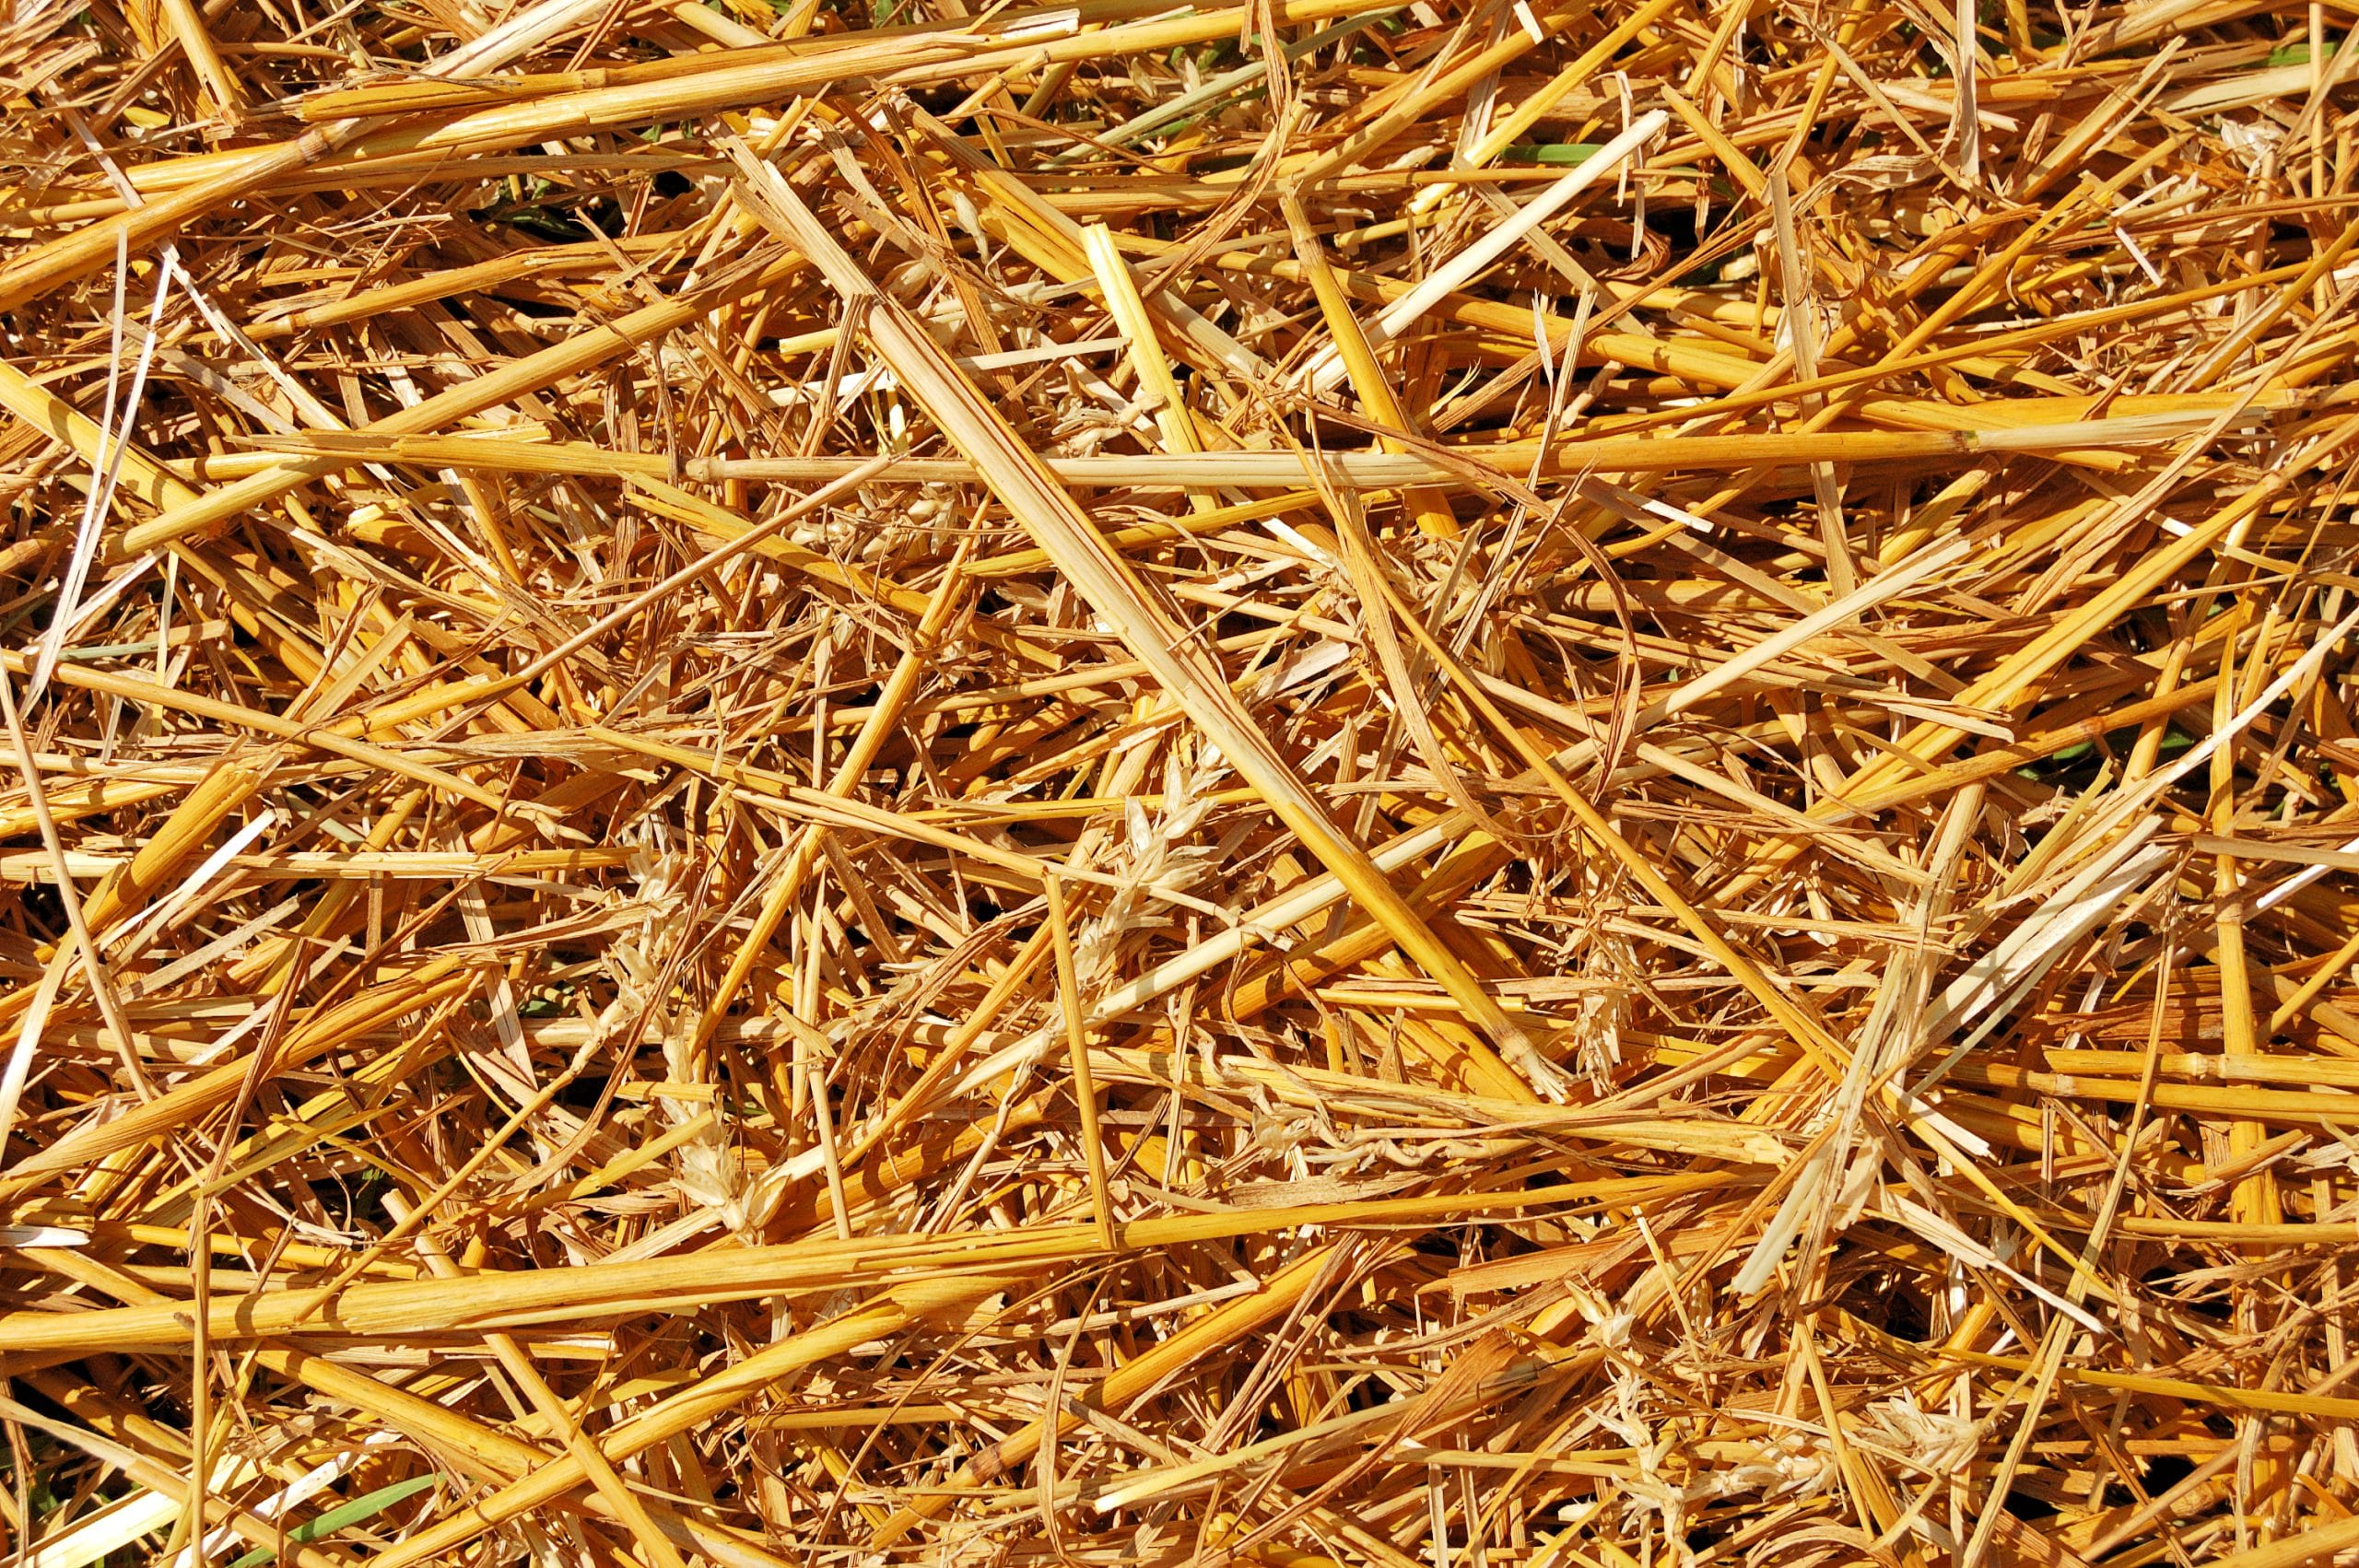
(1299, 783)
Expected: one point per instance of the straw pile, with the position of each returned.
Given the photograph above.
(1445, 783)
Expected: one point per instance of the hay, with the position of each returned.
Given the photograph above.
(1307, 782)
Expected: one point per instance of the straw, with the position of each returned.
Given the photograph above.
(1445, 785)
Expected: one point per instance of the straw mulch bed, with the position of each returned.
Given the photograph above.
(1452, 784)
